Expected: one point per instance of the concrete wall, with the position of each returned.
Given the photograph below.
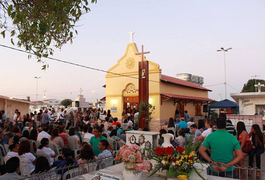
(10, 105)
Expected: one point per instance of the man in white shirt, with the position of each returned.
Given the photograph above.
(43, 133)
(89, 134)
(13, 151)
(14, 117)
(62, 116)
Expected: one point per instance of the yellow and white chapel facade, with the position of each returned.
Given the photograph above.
(165, 93)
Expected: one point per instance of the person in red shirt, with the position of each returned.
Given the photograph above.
(115, 122)
(63, 135)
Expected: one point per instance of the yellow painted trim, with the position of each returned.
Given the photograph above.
(114, 95)
(135, 73)
(133, 45)
(118, 95)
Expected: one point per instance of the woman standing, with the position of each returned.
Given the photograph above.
(257, 147)
(244, 141)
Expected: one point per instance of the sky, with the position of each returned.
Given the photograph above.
(182, 37)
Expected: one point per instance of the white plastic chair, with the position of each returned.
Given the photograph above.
(106, 162)
(6, 148)
(74, 146)
(86, 140)
(32, 142)
(173, 129)
(39, 154)
(72, 173)
(54, 177)
(2, 154)
(90, 167)
(5, 159)
(38, 144)
(24, 167)
(54, 147)
(113, 143)
(120, 144)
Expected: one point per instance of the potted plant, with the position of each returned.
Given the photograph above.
(133, 160)
(179, 162)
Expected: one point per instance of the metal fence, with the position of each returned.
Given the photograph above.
(73, 170)
(237, 172)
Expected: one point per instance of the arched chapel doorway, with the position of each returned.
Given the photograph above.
(130, 97)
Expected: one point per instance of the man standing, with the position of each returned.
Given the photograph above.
(14, 120)
(94, 141)
(187, 116)
(222, 146)
(230, 127)
(62, 115)
(45, 117)
(3, 118)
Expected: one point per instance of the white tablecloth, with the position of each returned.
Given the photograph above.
(117, 169)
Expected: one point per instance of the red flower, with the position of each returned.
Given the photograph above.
(180, 149)
(169, 150)
(159, 151)
(191, 158)
(173, 160)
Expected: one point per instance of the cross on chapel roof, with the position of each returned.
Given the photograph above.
(259, 86)
(131, 36)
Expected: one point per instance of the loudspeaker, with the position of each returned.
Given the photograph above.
(76, 103)
(234, 110)
(205, 108)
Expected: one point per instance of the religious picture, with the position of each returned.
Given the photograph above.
(141, 139)
(132, 139)
(147, 145)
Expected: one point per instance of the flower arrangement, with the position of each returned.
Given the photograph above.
(132, 158)
(177, 161)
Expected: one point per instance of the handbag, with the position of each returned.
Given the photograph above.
(247, 147)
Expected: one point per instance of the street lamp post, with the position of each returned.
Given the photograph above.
(224, 50)
(37, 87)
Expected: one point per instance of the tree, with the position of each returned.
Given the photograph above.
(39, 24)
(250, 86)
(66, 102)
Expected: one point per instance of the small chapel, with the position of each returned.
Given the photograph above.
(165, 93)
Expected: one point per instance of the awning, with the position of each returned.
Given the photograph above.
(186, 98)
(103, 99)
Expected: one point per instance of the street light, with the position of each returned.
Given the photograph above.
(224, 50)
(37, 87)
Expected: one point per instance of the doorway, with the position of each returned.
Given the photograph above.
(131, 102)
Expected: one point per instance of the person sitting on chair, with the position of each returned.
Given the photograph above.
(12, 168)
(103, 146)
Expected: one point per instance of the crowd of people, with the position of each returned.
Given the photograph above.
(93, 129)
(222, 144)
(30, 136)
